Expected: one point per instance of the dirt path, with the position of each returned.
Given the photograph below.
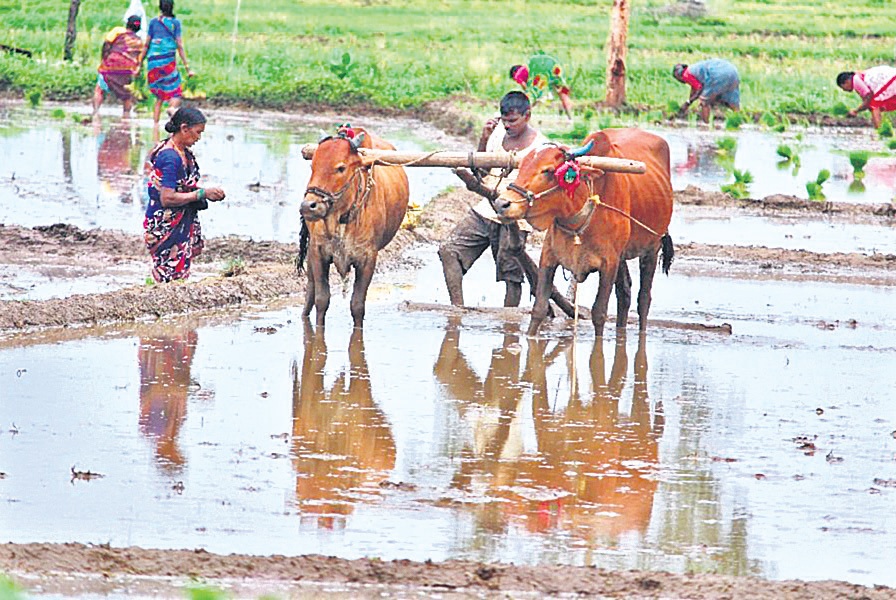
(105, 562)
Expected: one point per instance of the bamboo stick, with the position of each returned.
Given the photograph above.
(479, 160)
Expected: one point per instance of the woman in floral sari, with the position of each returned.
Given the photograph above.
(172, 232)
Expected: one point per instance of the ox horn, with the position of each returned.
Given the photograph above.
(356, 141)
(576, 153)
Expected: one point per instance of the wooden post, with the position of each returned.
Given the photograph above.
(616, 53)
(71, 31)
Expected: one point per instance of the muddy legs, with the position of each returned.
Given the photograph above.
(623, 294)
(602, 300)
(454, 276)
(648, 269)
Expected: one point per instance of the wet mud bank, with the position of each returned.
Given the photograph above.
(778, 204)
(106, 562)
(270, 272)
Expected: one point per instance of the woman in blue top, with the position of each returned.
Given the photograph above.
(171, 228)
(163, 43)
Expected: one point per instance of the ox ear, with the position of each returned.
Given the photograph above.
(357, 141)
(582, 151)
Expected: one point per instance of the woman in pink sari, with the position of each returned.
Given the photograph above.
(876, 86)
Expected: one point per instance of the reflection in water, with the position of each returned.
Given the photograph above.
(591, 471)
(117, 160)
(342, 443)
(490, 408)
(701, 160)
(599, 463)
(164, 386)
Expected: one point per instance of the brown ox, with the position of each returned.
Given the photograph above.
(585, 237)
(351, 210)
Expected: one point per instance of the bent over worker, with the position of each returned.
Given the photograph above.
(539, 76)
(715, 82)
(876, 86)
(120, 62)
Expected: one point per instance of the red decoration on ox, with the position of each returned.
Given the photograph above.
(568, 177)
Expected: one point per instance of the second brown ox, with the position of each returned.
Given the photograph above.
(584, 236)
(351, 210)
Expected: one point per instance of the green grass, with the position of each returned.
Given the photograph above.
(404, 53)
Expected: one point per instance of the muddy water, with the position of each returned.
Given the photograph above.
(54, 170)
(436, 437)
(815, 233)
(696, 161)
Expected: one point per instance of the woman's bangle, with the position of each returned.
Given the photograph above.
(200, 194)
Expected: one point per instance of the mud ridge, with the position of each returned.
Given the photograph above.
(106, 561)
(781, 203)
(135, 303)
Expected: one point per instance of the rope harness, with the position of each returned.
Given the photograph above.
(363, 193)
(587, 211)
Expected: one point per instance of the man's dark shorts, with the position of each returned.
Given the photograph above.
(476, 233)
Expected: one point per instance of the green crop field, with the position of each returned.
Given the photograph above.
(404, 53)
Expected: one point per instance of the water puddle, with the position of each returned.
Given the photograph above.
(813, 233)
(437, 437)
(54, 170)
(696, 161)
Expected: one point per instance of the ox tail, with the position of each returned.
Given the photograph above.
(668, 252)
(303, 247)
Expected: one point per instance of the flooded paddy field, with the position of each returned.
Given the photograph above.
(756, 451)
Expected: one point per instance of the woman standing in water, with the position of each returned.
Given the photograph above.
(163, 43)
(171, 228)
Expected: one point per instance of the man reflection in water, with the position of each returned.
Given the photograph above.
(490, 408)
(589, 462)
(342, 443)
(164, 385)
(598, 462)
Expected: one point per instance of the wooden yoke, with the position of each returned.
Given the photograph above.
(477, 160)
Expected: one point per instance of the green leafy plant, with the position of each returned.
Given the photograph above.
(726, 145)
(203, 592)
(784, 151)
(768, 120)
(840, 109)
(856, 186)
(886, 129)
(342, 64)
(739, 188)
(34, 97)
(891, 144)
(672, 107)
(858, 159)
(233, 267)
(58, 113)
(814, 187)
(733, 120)
(9, 590)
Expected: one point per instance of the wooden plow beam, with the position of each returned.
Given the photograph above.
(479, 160)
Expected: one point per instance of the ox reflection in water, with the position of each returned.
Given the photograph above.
(342, 443)
(595, 221)
(352, 209)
